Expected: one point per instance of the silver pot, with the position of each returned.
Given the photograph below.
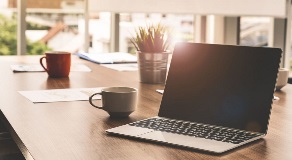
(152, 67)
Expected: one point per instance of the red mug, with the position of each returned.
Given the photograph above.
(58, 63)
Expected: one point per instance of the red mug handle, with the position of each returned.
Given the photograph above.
(41, 62)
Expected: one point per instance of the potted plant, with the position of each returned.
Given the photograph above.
(152, 43)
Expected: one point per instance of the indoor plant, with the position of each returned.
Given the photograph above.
(152, 43)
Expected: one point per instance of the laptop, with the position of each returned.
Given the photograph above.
(216, 98)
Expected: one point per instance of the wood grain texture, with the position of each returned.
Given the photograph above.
(75, 130)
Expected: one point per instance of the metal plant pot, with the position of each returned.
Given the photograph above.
(152, 67)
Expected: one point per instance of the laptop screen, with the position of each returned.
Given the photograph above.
(230, 86)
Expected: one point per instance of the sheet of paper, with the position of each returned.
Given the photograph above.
(109, 58)
(39, 68)
(160, 91)
(60, 95)
(80, 68)
(122, 67)
(27, 68)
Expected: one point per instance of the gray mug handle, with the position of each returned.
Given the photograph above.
(90, 100)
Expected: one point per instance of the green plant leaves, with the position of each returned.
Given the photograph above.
(8, 39)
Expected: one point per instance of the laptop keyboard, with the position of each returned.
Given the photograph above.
(196, 130)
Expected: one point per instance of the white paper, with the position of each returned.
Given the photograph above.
(61, 95)
(122, 67)
(27, 68)
(80, 68)
(39, 68)
(109, 58)
(160, 91)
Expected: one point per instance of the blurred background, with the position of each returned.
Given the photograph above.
(69, 25)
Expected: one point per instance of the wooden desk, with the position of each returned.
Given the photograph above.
(75, 130)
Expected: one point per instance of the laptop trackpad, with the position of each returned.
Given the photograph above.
(129, 130)
(187, 141)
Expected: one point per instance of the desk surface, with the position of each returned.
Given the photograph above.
(75, 130)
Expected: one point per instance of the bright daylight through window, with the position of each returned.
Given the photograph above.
(60, 25)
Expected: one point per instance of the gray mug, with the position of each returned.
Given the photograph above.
(117, 101)
(282, 79)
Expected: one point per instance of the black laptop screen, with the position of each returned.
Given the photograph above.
(222, 85)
